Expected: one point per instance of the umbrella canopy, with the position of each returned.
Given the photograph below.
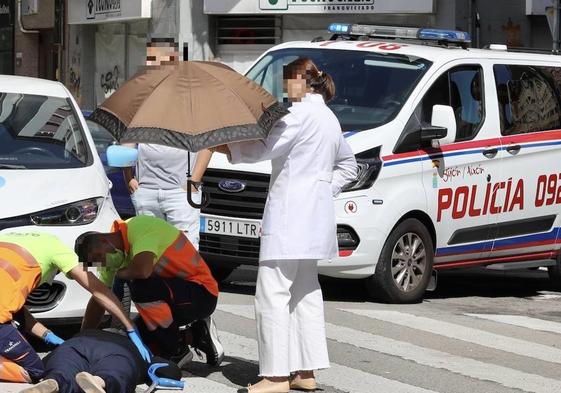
(193, 105)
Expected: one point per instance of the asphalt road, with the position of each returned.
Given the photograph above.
(480, 331)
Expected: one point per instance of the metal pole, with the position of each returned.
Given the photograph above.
(556, 38)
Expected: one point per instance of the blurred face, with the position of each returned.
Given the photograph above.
(296, 88)
(97, 255)
(161, 54)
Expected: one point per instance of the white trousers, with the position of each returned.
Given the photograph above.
(172, 206)
(290, 320)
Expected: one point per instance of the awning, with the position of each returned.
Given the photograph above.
(105, 11)
(229, 7)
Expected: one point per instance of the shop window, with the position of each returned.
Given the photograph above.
(462, 89)
(528, 98)
(248, 30)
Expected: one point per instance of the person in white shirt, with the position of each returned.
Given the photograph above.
(311, 162)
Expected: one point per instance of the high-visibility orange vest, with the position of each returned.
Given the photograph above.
(183, 261)
(179, 260)
(19, 275)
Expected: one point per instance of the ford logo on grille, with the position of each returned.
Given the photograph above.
(231, 185)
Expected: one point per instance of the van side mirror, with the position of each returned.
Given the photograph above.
(444, 119)
(121, 156)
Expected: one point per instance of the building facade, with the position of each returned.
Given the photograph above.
(94, 46)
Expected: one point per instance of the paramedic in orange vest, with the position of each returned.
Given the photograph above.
(170, 284)
(28, 260)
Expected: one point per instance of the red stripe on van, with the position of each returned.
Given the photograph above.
(521, 138)
(490, 261)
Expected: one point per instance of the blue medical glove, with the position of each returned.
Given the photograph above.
(52, 339)
(144, 351)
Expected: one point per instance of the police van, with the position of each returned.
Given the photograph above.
(458, 150)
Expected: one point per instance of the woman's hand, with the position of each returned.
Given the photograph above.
(133, 185)
(220, 149)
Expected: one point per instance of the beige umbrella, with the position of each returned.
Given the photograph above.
(192, 106)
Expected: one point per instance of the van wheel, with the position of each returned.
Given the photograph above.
(554, 273)
(404, 269)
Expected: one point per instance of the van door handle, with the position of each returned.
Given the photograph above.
(513, 149)
(490, 152)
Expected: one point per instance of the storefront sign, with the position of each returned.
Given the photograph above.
(226, 7)
(98, 11)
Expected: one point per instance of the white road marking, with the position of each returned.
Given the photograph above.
(471, 368)
(341, 377)
(522, 321)
(466, 334)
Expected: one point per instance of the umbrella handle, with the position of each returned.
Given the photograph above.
(205, 198)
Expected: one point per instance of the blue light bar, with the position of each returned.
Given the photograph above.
(400, 32)
(339, 28)
(444, 35)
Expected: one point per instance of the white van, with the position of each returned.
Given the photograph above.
(51, 179)
(458, 150)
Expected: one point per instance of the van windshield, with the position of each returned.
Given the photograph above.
(370, 87)
(40, 132)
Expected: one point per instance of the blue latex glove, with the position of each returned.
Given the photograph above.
(52, 339)
(144, 351)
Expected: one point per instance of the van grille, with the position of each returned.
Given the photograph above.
(248, 203)
(45, 297)
(229, 246)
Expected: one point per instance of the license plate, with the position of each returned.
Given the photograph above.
(239, 228)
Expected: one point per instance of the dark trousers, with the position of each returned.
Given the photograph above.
(115, 364)
(18, 360)
(165, 304)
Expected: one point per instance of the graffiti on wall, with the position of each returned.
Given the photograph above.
(109, 81)
(74, 70)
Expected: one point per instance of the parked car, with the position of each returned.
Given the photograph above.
(119, 190)
(51, 179)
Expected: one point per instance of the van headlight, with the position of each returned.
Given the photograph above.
(77, 213)
(369, 165)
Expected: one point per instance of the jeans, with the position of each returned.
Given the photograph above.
(172, 206)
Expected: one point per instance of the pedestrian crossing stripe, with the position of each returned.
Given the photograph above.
(522, 321)
(505, 376)
(338, 376)
(463, 333)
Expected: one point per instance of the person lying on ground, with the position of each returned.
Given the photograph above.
(98, 361)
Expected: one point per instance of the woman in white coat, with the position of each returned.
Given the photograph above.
(311, 162)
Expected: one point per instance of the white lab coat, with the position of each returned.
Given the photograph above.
(311, 162)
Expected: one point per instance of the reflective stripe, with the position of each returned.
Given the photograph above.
(196, 259)
(180, 242)
(10, 269)
(155, 314)
(22, 252)
(161, 265)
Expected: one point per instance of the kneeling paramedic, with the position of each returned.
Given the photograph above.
(28, 260)
(170, 284)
